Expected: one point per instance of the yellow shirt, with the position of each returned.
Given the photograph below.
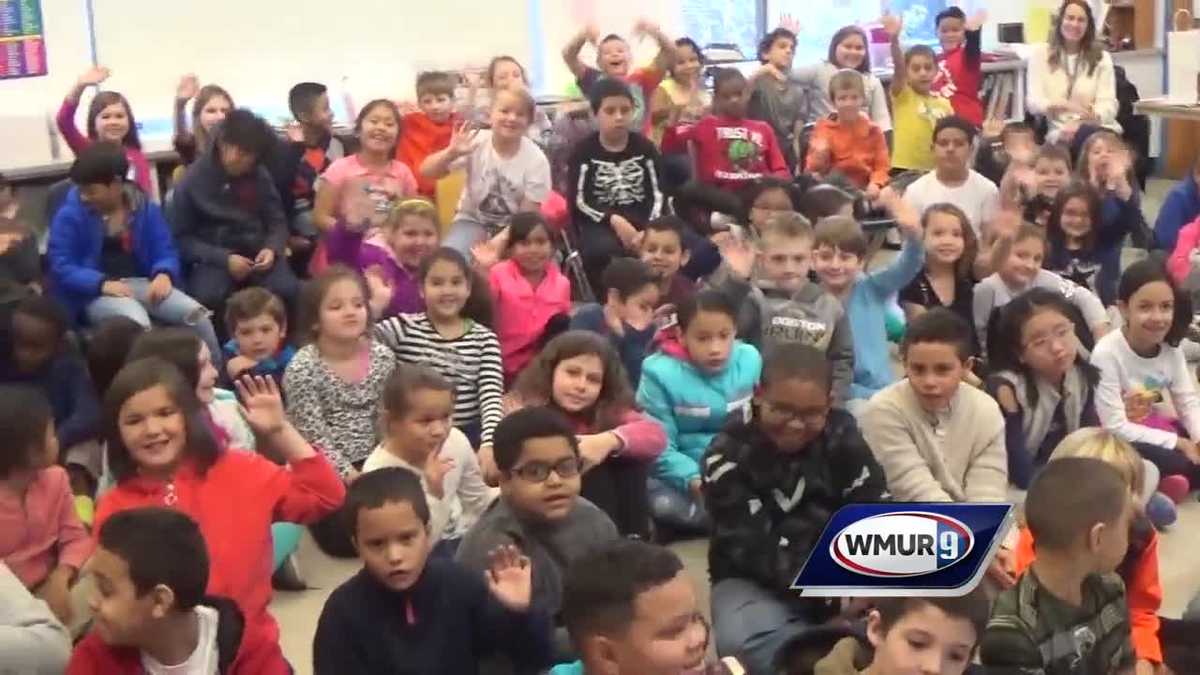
(913, 118)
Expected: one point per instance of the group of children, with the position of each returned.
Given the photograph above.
(499, 453)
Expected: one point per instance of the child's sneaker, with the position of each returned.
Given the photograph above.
(1161, 511)
(1175, 486)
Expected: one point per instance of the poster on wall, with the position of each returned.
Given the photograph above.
(22, 48)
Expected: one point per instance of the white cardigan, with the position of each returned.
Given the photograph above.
(1045, 87)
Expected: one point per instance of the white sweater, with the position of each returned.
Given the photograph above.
(1046, 87)
(464, 494)
(1123, 371)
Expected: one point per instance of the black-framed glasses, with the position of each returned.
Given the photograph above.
(812, 417)
(537, 472)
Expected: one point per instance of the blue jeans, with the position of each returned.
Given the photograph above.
(677, 510)
(751, 624)
(177, 309)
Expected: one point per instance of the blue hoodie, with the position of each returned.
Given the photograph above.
(77, 239)
(1181, 207)
(692, 404)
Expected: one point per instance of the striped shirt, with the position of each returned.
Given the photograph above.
(471, 362)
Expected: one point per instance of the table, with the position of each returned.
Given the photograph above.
(1183, 133)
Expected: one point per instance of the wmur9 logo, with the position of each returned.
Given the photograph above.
(904, 549)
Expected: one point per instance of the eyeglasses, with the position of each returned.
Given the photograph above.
(538, 472)
(813, 417)
(1063, 334)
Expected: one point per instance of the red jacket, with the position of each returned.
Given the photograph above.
(1143, 593)
(235, 503)
(420, 137)
(240, 650)
(730, 153)
(959, 76)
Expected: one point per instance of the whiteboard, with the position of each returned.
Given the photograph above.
(27, 104)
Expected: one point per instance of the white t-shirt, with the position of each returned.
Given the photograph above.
(464, 494)
(203, 660)
(497, 185)
(978, 197)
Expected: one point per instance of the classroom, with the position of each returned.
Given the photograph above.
(674, 337)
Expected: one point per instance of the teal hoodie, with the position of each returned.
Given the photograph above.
(692, 404)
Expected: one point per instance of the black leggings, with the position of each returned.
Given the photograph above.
(618, 487)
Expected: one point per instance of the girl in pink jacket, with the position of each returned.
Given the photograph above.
(1187, 248)
(528, 290)
(579, 374)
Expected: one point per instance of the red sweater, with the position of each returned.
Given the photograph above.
(420, 137)
(235, 503)
(1143, 593)
(730, 153)
(960, 73)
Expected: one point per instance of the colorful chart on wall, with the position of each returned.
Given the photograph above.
(22, 44)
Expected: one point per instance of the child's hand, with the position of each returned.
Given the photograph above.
(510, 577)
(462, 139)
(238, 365)
(294, 132)
(820, 154)
(977, 20)
(739, 257)
(594, 449)
(872, 193)
(188, 87)
(908, 219)
(789, 22)
(591, 33)
(473, 78)
(613, 320)
(625, 231)
(160, 287)
(487, 465)
(1189, 449)
(56, 591)
(380, 289)
(261, 406)
(769, 70)
(892, 25)
(114, 288)
(1002, 569)
(93, 76)
(645, 27)
(993, 128)
(436, 469)
(264, 260)
(486, 254)
(239, 266)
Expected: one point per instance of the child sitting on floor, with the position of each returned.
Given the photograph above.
(417, 435)
(407, 611)
(795, 444)
(153, 615)
(627, 316)
(952, 179)
(946, 281)
(847, 141)
(257, 321)
(1068, 612)
(428, 129)
(664, 250)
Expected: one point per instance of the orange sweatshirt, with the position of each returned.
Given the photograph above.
(420, 137)
(1143, 593)
(856, 148)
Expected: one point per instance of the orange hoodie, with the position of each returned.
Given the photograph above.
(1143, 593)
(420, 137)
(856, 149)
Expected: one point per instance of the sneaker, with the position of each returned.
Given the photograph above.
(1175, 486)
(1161, 511)
(288, 576)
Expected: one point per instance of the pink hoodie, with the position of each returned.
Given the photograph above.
(523, 311)
(1180, 264)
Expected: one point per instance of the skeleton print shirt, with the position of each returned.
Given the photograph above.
(604, 183)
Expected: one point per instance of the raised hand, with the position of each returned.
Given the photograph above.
(380, 289)
(739, 256)
(463, 138)
(976, 20)
(486, 254)
(993, 128)
(908, 219)
(189, 86)
(262, 406)
(644, 26)
(510, 577)
(789, 22)
(591, 33)
(93, 76)
(892, 25)
(435, 471)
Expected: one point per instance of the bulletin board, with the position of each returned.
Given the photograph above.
(22, 39)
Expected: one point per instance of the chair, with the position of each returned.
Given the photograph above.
(446, 195)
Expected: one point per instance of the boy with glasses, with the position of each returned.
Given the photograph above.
(770, 485)
(539, 509)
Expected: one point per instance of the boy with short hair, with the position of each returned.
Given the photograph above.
(915, 108)
(839, 252)
(539, 508)
(775, 99)
(626, 318)
(952, 180)
(257, 323)
(228, 217)
(408, 612)
(770, 484)
(847, 141)
(631, 609)
(614, 59)
(663, 247)
(938, 438)
(768, 281)
(429, 128)
(1051, 173)
(151, 613)
(614, 179)
(1067, 614)
(960, 70)
(946, 632)
(302, 160)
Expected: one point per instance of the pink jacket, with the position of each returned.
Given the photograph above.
(523, 311)
(1180, 264)
(43, 532)
(77, 142)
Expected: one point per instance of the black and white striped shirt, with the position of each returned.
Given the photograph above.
(471, 363)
